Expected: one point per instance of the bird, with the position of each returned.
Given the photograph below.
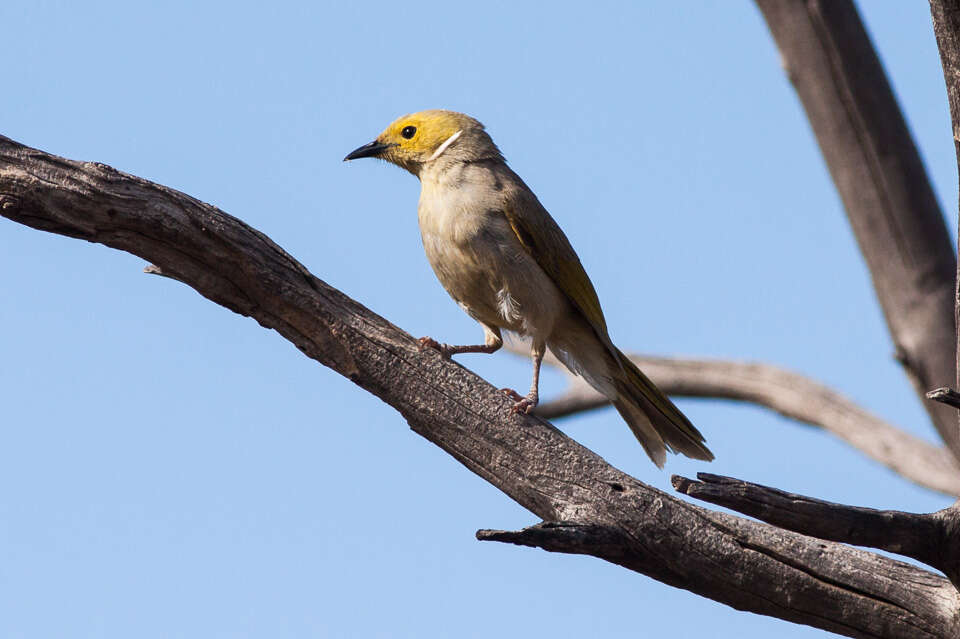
(502, 257)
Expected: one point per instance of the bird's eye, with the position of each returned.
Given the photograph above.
(408, 132)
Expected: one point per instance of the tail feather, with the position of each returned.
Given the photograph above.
(657, 423)
(653, 418)
(644, 430)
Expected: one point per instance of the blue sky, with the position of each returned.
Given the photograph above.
(170, 469)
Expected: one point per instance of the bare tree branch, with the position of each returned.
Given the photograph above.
(946, 27)
(747, 565)
(945, 395)
(881, 179)
(931, 538)
(787, 393)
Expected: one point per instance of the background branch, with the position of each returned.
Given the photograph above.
(885, 190)
(747, 565)
(788, 393)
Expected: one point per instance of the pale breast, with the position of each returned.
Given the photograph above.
(481, 263)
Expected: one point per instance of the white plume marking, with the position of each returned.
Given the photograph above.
(443, 147)
(509, 308)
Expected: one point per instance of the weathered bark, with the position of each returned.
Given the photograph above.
(747, 565)
(789, 394)
(945, 395)
(946, 27)
(882, 182)
(933, 538)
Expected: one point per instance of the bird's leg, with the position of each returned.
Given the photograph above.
(492, 343)
(528, 403)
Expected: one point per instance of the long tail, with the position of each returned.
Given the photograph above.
(653, 418)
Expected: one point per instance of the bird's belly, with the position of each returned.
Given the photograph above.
(495, 282)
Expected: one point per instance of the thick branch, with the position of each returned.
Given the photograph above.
(946, 26)
(931, 538)
(881, 179)
(747, 565)
(791, 395)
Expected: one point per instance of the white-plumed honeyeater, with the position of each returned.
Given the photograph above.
(509, 266)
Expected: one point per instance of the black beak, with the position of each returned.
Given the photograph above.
(372, 150)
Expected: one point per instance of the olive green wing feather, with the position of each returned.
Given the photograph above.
(543, 239)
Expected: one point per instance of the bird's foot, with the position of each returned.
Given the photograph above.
(522, 405)
(428, 342)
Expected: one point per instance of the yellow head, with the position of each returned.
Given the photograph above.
(413, 141)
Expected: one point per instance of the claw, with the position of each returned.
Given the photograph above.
(521, 404)
(428, 342)
(524, 406)
(512, 394)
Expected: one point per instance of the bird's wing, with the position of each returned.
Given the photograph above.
(543, 239)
